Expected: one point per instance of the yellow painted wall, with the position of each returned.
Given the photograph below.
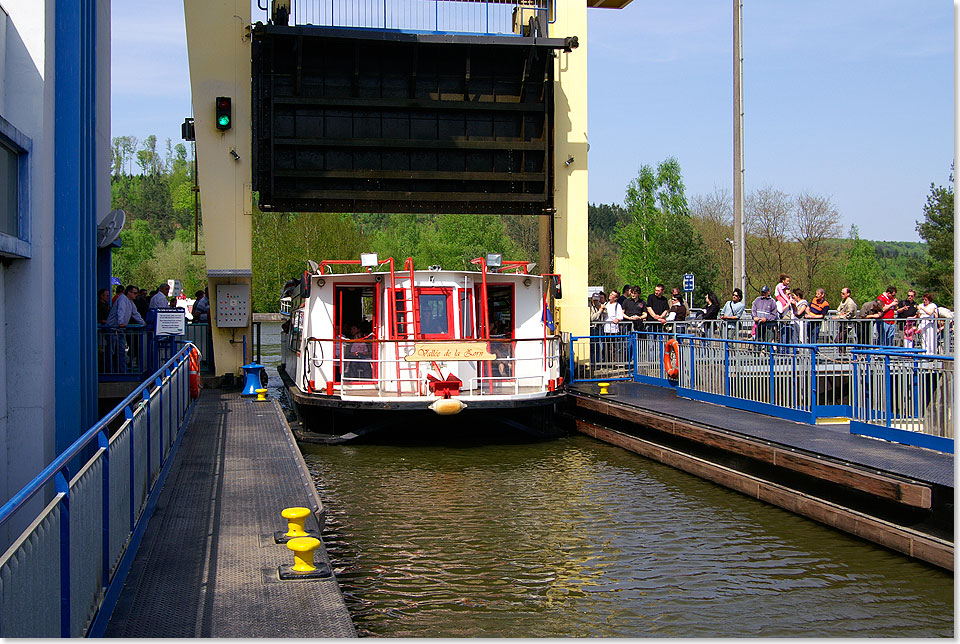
(218, 47)
(570, 185)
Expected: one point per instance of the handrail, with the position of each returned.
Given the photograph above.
(896, 351)
(60, 462)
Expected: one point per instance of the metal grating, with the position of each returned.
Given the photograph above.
(207, 566)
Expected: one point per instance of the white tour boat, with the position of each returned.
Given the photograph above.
(387, 348)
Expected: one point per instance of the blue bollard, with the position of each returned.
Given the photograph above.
(252, 371)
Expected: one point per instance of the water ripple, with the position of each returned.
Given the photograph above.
(577, 538)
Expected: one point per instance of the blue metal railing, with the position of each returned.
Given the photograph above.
(800, 382)
(131, 353)
(61, 576)
(125, 354)
(906, 398)
(199, 334)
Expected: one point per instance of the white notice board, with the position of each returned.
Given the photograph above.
(171, 321)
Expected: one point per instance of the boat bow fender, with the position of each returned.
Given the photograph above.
(447, 406)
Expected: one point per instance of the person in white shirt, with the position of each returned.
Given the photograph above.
(160, 301)
(614, 313)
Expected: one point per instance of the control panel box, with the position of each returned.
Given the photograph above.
(233, 305)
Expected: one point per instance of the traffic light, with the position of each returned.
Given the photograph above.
(224, 118)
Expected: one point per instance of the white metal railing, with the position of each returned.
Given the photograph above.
(487, 17)
(56, 574)
(379, 369)
(905, 392)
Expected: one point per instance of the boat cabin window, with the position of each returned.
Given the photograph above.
(500, 310)
(436, 314)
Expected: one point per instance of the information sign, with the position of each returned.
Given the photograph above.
(171, 321)
(688, 283)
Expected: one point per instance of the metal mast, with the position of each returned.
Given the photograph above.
(739, 237)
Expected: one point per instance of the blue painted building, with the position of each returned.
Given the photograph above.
(54, 182)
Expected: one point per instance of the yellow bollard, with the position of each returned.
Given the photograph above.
(603, 387)
(303, 548)
(261, 395)
(296, 518)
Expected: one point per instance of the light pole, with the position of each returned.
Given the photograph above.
(739, 238)
(733, 249)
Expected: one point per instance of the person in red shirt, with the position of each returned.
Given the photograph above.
(886, 326)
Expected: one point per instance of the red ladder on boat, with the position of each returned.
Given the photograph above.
(405, 324)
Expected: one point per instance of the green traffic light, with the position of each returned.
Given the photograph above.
(223, 121)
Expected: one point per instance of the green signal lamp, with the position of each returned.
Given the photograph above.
(224, 119)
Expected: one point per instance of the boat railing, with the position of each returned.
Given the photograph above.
(379, 367)
(80, 520)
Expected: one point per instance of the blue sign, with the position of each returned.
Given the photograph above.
(688, 283)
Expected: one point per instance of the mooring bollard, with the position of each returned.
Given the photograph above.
(296, 518)
(261, 395)
(303, 548)
(296, 522)
(603, 387)
(303, 565)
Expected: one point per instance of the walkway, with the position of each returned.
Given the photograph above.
(834, 442)
(207, 566)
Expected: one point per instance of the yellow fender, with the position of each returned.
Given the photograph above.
(447, 406)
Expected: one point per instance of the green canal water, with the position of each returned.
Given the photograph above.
(505, 537)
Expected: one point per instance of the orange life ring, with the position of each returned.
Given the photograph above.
(671, 358)
(194, 369)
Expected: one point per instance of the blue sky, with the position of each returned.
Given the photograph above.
(850, 99)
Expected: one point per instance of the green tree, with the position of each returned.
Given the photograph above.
(863, 270)
(283, 242)
(651, 198)
(936, 274)
(660, 244)
(524, 230)
(131, 260)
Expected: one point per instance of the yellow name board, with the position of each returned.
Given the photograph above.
(423, 352)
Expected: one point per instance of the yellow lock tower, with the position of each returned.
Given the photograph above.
(436, 106)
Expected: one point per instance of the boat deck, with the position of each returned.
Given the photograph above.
(207, 566)
(372, 391)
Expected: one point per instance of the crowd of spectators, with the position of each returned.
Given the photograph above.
(783, 315)
(130, 305)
